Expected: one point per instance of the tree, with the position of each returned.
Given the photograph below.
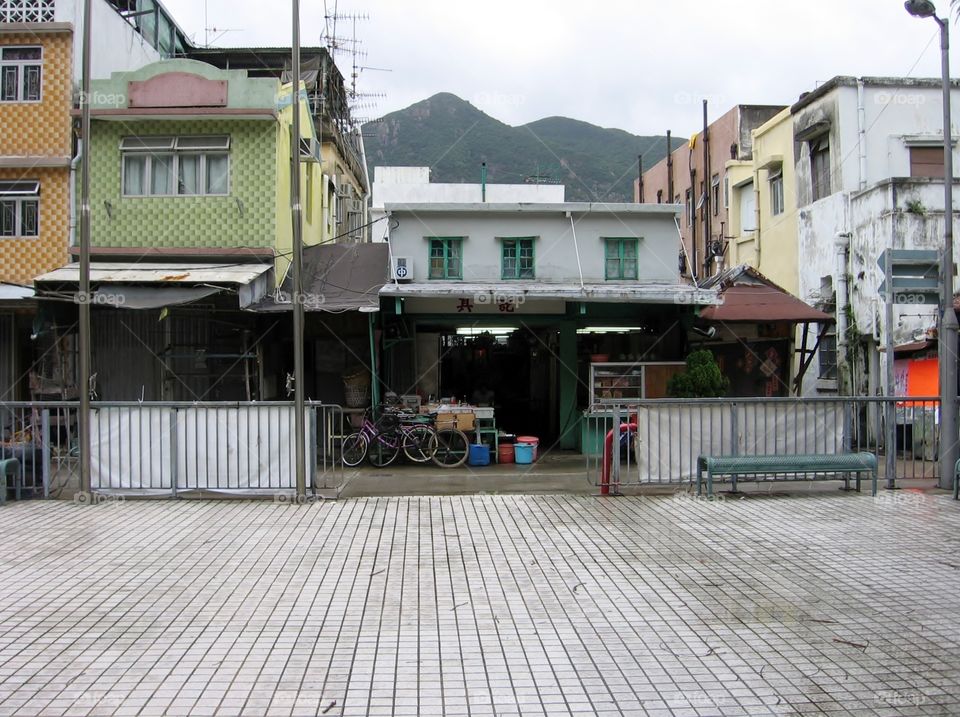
(701, 379)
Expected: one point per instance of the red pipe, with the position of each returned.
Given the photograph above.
(608, 457)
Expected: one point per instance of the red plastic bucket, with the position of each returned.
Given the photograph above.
(505, 453)
(532, 440)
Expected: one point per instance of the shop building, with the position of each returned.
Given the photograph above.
(545, 310)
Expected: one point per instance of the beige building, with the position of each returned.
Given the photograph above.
(697, 179)
(763, 204)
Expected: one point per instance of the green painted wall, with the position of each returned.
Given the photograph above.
(247, 217)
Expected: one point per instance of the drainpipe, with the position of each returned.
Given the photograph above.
(483, 182)
(640, 175)
(843, 257)
(74, 165)
(576, 248)
(756, 215)
(862, 135)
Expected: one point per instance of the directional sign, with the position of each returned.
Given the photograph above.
(913, 275)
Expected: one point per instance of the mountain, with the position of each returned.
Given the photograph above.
(453, 137)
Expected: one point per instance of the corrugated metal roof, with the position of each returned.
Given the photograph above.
(159, 273)
(759, 303)
(15, 292)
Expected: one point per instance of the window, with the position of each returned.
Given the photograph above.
(926, 162)
(517, 258)
(20, 74)
(446, 259)
(26, 10)
(827, 361)
(182, 166)
(620, 258)
(820, 167)
(715, 194)
(726, 192)
(19, 209)
(747, 201)
(776, 191)
(689, 203)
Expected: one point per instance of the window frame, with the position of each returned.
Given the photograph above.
(518, 274)
(21, 67)
(447, 242)
(20, 193)
(775, 182)
(621, 258)
(151, 147)
(715, 194)
(821, 182)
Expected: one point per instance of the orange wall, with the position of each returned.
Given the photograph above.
(40, 130)
(23, 259)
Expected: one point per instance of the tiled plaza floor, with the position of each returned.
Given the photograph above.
(807, 604)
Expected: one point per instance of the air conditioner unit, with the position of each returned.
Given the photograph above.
(402, 268)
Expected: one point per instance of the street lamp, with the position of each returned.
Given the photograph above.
(947, 345)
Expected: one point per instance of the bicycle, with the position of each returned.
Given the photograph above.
(382, 442)
(453, 447)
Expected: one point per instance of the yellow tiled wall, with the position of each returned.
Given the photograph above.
(41, 129)
(23, 259)
(38, 130)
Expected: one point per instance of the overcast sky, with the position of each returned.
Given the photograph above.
(637, 65)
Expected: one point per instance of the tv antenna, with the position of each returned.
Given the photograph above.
(218, 32)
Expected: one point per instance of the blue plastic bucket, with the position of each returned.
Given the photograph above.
(523, 452)
(479, 455)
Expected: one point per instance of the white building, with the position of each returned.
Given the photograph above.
(869, 168)
(412, 185)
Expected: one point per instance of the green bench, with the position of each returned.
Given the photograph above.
(735, 466)
(11, 467)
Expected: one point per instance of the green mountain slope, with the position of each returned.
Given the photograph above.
(453, 137)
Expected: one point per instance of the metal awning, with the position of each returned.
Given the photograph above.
(609, 292)
(15, 292)
(146, 285)
(336, 278)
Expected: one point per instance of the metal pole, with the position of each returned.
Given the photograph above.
(707, 189)
(296, 211)
(948, 325)
(890, 412)
(84, 287)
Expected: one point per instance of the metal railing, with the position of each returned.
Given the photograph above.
(171, 447)
(660, 440)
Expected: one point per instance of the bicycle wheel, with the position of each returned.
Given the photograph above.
(354, 449)
(452, 448)
(384, 449)
(419, 444)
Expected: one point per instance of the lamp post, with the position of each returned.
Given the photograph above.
(947, 345)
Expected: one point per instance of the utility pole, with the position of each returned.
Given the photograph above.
(707, 189)
(669, 168)
(296, 211)
(83, 293)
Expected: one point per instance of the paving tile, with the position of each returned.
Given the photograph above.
(481, 605)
